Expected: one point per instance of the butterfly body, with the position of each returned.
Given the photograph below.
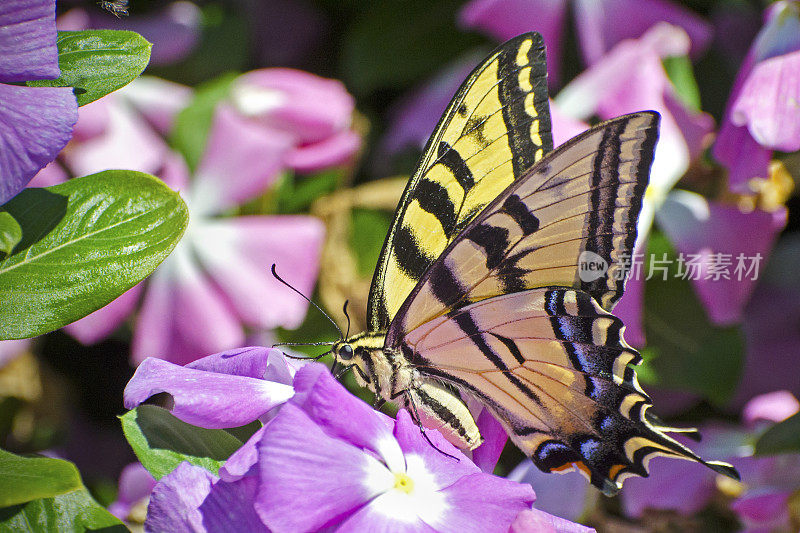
(480, 291)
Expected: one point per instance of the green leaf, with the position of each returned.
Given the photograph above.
(295, 194)
(32, 478)
(97, 62)
(84, 243)
(684, 349)
(783, 437)
(367, 234)
(679, 71)
(161, 441)
(74, 511)
(384, 50)
(10, 233)
(193, 123)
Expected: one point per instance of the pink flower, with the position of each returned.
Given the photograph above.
(763, 113)
(314, 115)
(217, 284)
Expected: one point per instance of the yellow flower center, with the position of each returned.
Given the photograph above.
(403, 482)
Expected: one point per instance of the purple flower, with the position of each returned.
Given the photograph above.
(600, 25)
(35, 122)
(223, 390)
(329, 461)
(762, 113)
(173, 30)
(726, 246)
(135, 485)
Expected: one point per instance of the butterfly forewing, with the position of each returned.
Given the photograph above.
(496, 127)
(584, 198)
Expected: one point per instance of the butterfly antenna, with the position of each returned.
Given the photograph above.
(344, 310)
(306, 298)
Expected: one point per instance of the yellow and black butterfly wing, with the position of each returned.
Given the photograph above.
(504, 314)
(584, 198)
(495, 128)
(551, 364)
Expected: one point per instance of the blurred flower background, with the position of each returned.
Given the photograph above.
(290, 126)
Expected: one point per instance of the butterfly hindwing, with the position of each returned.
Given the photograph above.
(584, 198)
(495, 128)
(552, 366)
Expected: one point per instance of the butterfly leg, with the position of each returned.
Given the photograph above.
(415, 417)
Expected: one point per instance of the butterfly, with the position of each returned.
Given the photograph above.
(479, 289)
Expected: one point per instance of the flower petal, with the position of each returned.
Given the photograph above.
(381, 515)
(504, 19)
(159, 101)
(135, 484)
(491, 501)
(413, 117)
(600, 25)
(707, 229)
(494, 436)
(237, 253)
(205, 399)
(28, 40)
(764, 512)
(768, 103)
(241, 159)
(443, 470)
(773, 406)
(100, 324)
(536, 521)
(338, 149)
(176, 499)
(230, 507)
(242, 461)
(563, 495)
(298, 460)
(305, 106)
(630, 78)
(114, 135)
(183, 315)
(253, 361)
(744, 158)
(343, 416)
(35, 124)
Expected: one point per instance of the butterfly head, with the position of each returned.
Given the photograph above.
(344, 351)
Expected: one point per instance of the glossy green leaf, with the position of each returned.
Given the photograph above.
(685, 350)
(32, 478)
(783, 437)
(161, 441)
(10, 233)
(84, 243)
(74, 511)
(97, 62)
